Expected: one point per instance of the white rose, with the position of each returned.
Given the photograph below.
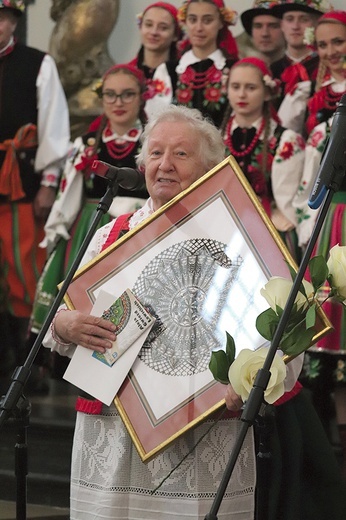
(243, 371)
(277, 290)
(337, 268)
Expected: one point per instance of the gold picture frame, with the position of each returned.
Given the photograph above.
(198, 264)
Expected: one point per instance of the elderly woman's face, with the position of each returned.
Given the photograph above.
(174, 161)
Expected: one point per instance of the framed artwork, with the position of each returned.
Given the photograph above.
(197, 265)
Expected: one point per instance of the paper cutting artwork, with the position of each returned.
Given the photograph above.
(176, 286)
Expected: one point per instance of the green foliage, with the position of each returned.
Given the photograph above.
(221, 360)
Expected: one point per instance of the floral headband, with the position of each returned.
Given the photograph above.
(18, 5)
(309, 32)
(228, 16)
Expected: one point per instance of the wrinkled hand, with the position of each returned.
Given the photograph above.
(233, 401)
(43, 202)
(88, 331)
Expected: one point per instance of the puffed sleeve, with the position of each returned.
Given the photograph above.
(53, 120)
(292, 111)
(287, 169)
(306, 216)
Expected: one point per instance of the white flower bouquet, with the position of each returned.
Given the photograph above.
(241, 371)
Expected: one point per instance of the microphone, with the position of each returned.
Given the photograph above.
(127, 178)
(332, 166)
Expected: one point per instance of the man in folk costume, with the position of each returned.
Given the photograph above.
(300, 62)
(263, 26)
(34, 137)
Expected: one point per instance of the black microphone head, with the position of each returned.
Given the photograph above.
(131, 179)
(127, 178)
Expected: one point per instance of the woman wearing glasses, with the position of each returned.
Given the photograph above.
(116, 141)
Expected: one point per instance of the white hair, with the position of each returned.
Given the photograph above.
(211, 146)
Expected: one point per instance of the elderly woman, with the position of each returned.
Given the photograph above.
(108, 478)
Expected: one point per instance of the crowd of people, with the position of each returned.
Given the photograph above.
(188, 99)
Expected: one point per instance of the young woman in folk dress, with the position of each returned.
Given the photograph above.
(270, 156)
(116, 142)
(157, 56)
(312, 103)
(209, 50)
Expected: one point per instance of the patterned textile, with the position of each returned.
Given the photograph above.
(332, 233)
(277, 186)
(109, 480)
(21, 258)
(202, 84)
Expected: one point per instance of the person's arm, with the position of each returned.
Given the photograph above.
(286, 174)
(53, 134)
(306, 217)
(68, 200)
(292, 111)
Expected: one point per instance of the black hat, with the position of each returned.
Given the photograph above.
(259, 7)
(309, 6)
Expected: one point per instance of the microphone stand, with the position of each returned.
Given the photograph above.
(255, 401)
(14, 404)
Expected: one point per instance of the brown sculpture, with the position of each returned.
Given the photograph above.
(79, 45)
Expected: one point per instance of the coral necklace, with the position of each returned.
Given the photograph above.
(118, 150)
(248, 149)
(331, 98)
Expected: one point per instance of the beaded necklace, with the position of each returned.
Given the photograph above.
(119, 150)
(331, 98)
(250, 147)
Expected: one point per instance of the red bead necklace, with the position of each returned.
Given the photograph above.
(118, 150)
(248, 150)
(331, 98)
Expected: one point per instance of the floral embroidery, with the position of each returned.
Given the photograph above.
(290, 148)
(317, 140)
(212, 81)
(155, 87)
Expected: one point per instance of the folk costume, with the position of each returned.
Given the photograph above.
(34, 140)
(161, 81)
(78, 196)
(271, 158)
(290, 72)
(288, 69)
(201, 84)
(308, 104)
(330, 235)
(108, 478)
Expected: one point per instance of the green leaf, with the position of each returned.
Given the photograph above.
(266, 323)
(219, 366)
(311, 316)
(230, 349)
(295, 344)
(319, 271)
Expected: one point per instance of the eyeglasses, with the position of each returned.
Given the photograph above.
(110, 96)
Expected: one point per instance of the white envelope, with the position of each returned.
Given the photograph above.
(96, 378)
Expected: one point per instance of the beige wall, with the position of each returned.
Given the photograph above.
(124, 41)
